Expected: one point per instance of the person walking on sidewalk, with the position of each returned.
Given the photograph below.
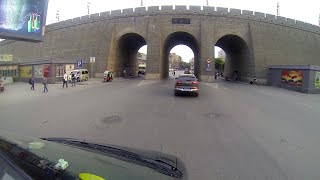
(65, 80)
(73, 78)
(31, 82)
(45, 82)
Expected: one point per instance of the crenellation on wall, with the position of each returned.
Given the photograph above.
(166, 8)
(76, 20)
(116, 12)
(127, 11)
(196, 9)
(181, 8)
(140, 10)
(291, 21)
(208, 9)
(271, 17)
(105, 14)
(95, 16)
(300, 23)
(259, 14)
(235, 12)
(247, 14)
(222, 10)
(153, 8)
(281, 20)
(85, 18)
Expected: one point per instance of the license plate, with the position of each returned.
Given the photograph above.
(186, 89)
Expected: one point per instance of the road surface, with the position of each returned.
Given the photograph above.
(231, 131)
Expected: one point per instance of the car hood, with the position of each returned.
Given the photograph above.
(97, 159)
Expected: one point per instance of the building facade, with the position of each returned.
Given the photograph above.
(174, 61)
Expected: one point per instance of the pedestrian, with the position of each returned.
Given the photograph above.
(73, 79)
(45, 83)
(124, 73)
(31, 82)
(65, 80)
(174, 73)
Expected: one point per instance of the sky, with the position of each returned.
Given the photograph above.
(307, 10)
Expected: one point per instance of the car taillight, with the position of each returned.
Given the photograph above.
(194, 82)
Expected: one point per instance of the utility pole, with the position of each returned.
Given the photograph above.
(141, 3)
(207, 2)
(278, 9)
(88, 7)
(57, 16)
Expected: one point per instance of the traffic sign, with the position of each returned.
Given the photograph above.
(80, 64)
(92, 59)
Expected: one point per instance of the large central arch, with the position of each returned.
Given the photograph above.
(126, 58)
(179, 38)
(238, 60)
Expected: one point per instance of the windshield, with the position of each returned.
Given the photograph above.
(80, 160)
(229, 89)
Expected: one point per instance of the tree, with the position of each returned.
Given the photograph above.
(184, 65)
(219, 64)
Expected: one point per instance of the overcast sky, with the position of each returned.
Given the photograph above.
(307, 10)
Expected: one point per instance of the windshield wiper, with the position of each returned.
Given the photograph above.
(156, 164)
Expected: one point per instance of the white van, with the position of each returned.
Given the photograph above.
(80, 74)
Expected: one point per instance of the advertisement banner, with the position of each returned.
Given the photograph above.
(292, 77)
(25, 71)
(23, 19)
(38, 71)
(46, 70)
(317, 80)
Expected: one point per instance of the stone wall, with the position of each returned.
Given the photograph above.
(270, 39)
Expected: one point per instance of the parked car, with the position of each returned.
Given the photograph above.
(186, 84)
(80, 74)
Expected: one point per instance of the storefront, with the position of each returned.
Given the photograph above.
(51, 69)
(9, 73)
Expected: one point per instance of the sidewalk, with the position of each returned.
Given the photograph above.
(20, 91)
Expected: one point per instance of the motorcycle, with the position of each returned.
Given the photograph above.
(2, 87)
(108, 76)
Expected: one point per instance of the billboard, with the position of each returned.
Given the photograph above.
(23, 19)
(317, 80)
(46, 70)
(292, 77)
(38, 71)
(25, 71)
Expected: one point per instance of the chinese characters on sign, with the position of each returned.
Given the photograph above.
(6, 57)
(180, 21)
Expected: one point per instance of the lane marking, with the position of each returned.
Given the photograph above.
(211, 85)
(140, 83)
(303, 104)
(145, 82)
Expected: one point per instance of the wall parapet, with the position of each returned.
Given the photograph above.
(195, 10)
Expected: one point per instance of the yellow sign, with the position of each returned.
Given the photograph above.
(8, 67)
(6, 57)
(25, 71)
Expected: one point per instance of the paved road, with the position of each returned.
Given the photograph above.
(231, 131)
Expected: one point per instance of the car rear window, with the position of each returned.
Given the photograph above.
(187, 78)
